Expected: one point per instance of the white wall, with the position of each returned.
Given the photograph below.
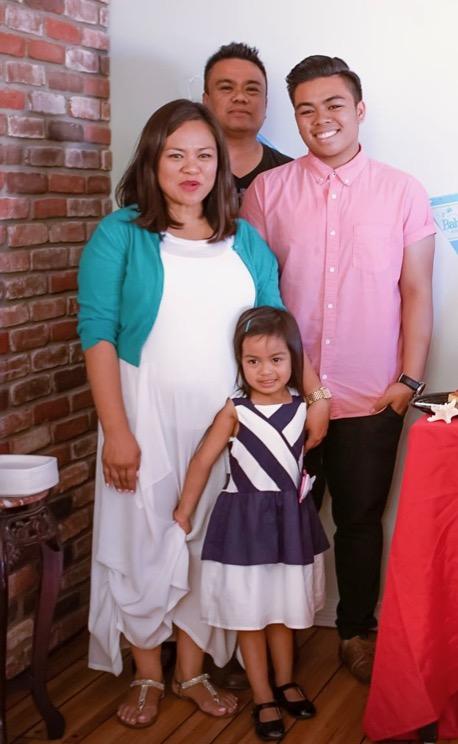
(405, 53)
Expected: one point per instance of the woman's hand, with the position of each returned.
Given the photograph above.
(121, 460)
(316, 423)
(121, 453)
(182, 520)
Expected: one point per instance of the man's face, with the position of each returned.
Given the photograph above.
(236, 94)
(328, 119)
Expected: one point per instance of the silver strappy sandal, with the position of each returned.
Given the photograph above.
(179, 688)
(144, 685)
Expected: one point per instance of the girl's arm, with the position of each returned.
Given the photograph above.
(121, 453)
(213, 443)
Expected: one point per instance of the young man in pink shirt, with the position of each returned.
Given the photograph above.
(355, 242)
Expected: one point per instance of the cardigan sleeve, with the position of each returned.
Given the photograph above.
(100, 280)
(265, 268)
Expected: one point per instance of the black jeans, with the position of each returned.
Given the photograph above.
(356, 460)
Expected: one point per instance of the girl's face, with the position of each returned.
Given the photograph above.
(188, 165)
(266, 365)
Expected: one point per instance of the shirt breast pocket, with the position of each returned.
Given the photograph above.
(372, 247)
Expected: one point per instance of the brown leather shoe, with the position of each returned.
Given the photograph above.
(429, 734)
(357, 654)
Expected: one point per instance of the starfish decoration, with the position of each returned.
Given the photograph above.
(444, 412)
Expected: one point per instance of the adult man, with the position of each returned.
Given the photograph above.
(235, 85)
(354, 238)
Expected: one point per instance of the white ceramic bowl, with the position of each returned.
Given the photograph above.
(24, 475)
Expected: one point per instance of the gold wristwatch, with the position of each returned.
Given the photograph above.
(322, 393)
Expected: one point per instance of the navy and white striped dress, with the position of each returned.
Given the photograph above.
(262, 554)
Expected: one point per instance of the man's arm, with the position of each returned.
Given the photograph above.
(416, 320)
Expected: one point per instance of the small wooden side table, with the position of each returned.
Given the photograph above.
(27, 521)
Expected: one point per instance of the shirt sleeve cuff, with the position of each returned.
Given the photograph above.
(422, 232)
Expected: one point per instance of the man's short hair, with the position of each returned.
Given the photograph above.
(234, 50)
(319, 65)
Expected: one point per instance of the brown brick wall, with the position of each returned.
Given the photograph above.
(54, 187)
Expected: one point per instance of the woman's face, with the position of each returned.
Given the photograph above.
(188, 164)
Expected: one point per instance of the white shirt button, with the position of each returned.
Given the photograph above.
(324, 377)
(333, 232)
(333, 196)
(347, 181)
(330, 305)
(328, 341)
(331, 269)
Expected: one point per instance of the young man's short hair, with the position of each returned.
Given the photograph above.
(234, 50)
(319, 65)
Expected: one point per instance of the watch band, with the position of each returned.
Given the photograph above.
(322, 393)
(414, 385)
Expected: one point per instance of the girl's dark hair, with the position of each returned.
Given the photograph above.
(270, 321)
(139, 185)
(318, 65)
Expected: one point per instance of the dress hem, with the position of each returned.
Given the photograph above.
(102, 668)
(261, 627)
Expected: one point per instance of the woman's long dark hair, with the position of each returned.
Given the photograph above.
(270, 321)
(139, 185)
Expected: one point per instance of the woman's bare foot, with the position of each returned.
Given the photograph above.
(141, 706)
(208, 698)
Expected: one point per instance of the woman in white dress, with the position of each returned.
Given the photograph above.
(162, 282)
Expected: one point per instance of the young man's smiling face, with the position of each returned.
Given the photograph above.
(328, 118)
(237, 95)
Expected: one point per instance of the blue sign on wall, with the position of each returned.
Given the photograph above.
(445, 210)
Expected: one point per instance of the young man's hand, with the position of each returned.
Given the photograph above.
(397, 396)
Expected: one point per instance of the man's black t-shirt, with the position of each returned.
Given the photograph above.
(270, 159)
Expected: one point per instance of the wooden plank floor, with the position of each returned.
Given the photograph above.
(88, 701)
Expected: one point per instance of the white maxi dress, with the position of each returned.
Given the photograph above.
(146, 572)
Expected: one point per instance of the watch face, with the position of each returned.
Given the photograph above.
(414, 385)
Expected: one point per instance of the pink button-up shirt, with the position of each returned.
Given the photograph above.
(339, 237)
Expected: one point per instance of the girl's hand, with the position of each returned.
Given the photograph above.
(121, 460)
(316, 423)
(182, 520)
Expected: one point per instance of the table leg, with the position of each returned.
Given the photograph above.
(51, 571)
(3, 632)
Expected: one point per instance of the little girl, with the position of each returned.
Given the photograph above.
(263, 564)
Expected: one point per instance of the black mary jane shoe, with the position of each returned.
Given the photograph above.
(268, 730)
(301, 709)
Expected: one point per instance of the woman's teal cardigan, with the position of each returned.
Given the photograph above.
(121, 279)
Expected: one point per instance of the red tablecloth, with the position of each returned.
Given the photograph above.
(415, 679)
